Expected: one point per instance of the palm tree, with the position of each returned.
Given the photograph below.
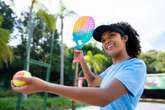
(50, 21)
(96, 62)
(5, 51)
(63, 12)
(30, 29)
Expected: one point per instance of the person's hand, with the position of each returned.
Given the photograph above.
(34, 85)
(78, 55)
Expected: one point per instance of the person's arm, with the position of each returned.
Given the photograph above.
(90, 95)
(92, 79)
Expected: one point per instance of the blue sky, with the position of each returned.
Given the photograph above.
(146, 16)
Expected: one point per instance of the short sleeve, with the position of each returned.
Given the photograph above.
(132, 76)
(102, 75)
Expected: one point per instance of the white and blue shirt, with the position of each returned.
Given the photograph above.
(132, 74)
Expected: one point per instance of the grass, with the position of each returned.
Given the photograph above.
(37, 103)
(8, 101)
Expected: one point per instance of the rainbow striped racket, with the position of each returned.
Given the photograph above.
(82, 31)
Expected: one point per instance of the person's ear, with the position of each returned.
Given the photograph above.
(125, 38)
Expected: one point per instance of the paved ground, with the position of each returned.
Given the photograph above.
(141, 106)
(150, 106)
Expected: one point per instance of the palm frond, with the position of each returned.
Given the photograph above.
(5, 51)
(50, 20)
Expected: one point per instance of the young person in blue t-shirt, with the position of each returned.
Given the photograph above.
(119, 87)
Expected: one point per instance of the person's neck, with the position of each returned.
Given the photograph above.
(120, 57)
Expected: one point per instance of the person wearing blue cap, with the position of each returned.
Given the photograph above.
(119, 87)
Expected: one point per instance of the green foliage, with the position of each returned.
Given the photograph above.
(31, 102)
(1, 20)
(6, 25)
(96, 58)
(37, 103)
(150, 60)
(161, 62)
(92, 47)
(69, 68)
(5, 50)
(154, 61)
(6, 93)
(50, 20)
(7, 100)
(40, 48)
(8, 16)
(59, 103)
(96, 62)
(4, 33)
(8, 103)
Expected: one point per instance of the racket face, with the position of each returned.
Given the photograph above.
(83, 30)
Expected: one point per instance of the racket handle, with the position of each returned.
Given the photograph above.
(76, 56)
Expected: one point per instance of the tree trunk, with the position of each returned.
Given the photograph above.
(62, 53)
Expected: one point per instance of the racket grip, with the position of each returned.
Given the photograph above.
(76, 56)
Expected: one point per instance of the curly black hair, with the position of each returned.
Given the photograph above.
(133, 46)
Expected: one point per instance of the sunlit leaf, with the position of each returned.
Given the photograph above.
(50, 20)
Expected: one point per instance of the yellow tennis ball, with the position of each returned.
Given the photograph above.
(19, 83)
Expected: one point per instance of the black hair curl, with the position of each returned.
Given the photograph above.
(133, 44)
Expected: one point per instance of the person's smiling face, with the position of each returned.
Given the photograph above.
(113, 43)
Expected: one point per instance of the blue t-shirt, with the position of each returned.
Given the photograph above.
(132, 74)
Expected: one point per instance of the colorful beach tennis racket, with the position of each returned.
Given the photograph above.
(82, 32)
